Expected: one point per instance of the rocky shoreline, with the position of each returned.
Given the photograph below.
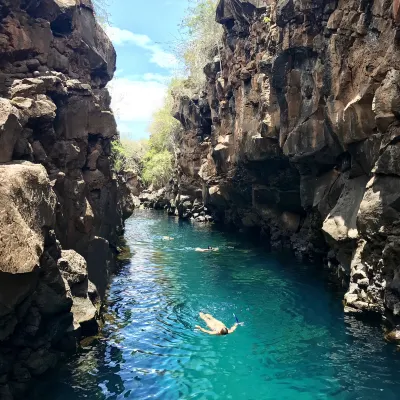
(62, 205)
(296, 137)
(184, 207)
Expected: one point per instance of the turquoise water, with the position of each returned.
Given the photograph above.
(296, 342)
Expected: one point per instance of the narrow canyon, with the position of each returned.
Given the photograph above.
(295, 138)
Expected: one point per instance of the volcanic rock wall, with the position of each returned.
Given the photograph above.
(297, 136)
(61, 205)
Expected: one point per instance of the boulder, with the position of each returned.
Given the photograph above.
(393, 336)
(341, 223)
(10, 129)
(74, 269)
(380, 206)
(27, 205)
(388, 162)
(215, 196)
(28, 87)
(52, 300)
(386, 103)
(85, 314)
(32, 109)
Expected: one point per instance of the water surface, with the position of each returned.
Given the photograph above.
(296, 342)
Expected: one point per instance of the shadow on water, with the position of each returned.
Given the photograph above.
(296, 343)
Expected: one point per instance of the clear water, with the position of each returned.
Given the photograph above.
(296, 342)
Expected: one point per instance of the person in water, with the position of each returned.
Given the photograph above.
(217, 327)
(207, 250)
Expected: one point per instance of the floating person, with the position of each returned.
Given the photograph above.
(207, 250)
(167, 238)
(217, 327)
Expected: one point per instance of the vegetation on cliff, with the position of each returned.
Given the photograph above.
(127, 154)
(202, 41)
(201, 38)
(158, 160)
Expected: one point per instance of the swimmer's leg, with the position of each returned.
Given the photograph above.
(211, 322)
(207, 318)
(203, 316)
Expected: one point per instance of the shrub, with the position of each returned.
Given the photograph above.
(164, 131)
(128, 155)
(157, 168)
(163, 127)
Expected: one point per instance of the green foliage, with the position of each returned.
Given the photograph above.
(128, 155)
(267, 20)
(157, 168)
(152, 159)
(164, 128)
(117, 156)
(164, 131)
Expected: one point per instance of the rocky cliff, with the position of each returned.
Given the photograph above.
(61, 205)
(297, 136)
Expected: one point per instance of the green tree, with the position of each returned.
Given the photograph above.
(128, 154)
(157, 168)
(164, 134)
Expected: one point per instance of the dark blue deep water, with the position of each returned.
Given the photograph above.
(296, 342)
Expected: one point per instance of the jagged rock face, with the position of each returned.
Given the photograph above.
(62, 206)
(24, 187)
(302, 142)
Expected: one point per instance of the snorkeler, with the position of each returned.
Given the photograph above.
(167, 238)
(217, 327)
(207, 250)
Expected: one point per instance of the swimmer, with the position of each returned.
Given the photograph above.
(217, 327)
(207, 250)
(167, 238)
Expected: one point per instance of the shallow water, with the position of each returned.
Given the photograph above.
(296, 342)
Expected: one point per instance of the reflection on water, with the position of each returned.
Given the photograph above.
(296, 342)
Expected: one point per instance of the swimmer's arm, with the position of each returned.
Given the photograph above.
(205, 330)
(233, 329)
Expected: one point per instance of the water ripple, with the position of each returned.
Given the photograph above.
(296, 342)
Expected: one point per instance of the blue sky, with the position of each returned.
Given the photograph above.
(143, 33)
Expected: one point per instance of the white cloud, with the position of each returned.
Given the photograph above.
(160, 57)
(121, 36)
(136, 100)
(149, 76)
